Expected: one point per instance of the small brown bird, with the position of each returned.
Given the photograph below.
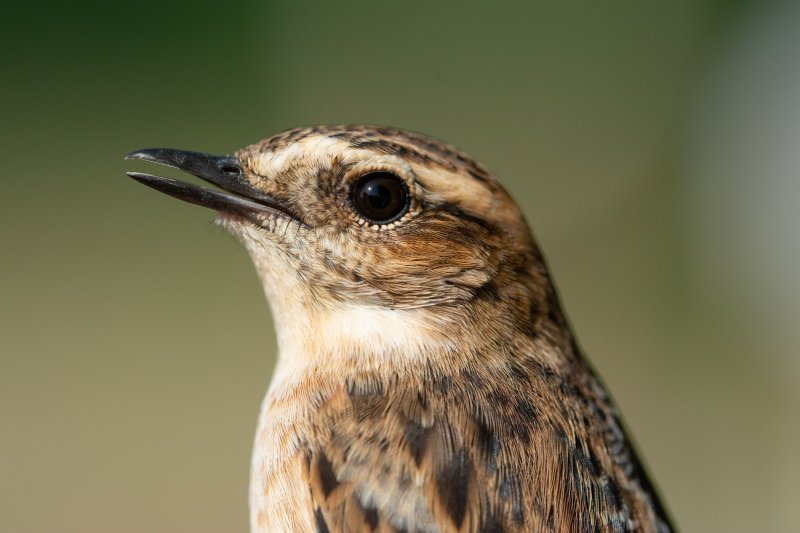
(427, 379)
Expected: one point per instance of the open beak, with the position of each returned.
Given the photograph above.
(237, 196)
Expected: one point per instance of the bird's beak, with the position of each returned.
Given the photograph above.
(237, 197)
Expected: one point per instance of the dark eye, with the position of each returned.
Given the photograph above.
(380, 197)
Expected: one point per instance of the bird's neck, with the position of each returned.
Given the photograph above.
(341, 339)
(327, 336)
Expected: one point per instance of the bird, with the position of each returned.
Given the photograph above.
(427, 378)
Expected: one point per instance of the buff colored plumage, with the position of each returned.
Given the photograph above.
(427, 378)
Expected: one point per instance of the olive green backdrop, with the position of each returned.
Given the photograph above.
(135, 344)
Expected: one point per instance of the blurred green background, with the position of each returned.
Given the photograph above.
(653, 147)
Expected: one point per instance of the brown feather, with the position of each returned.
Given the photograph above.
(428, 380)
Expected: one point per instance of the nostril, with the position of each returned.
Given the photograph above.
(231, 169)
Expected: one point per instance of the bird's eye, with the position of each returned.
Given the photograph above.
(380, 197)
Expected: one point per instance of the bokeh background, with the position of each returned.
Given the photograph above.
(654, 147)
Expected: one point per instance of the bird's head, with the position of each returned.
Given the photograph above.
(375, 232)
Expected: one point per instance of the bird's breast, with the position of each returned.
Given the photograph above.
(510, 446)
